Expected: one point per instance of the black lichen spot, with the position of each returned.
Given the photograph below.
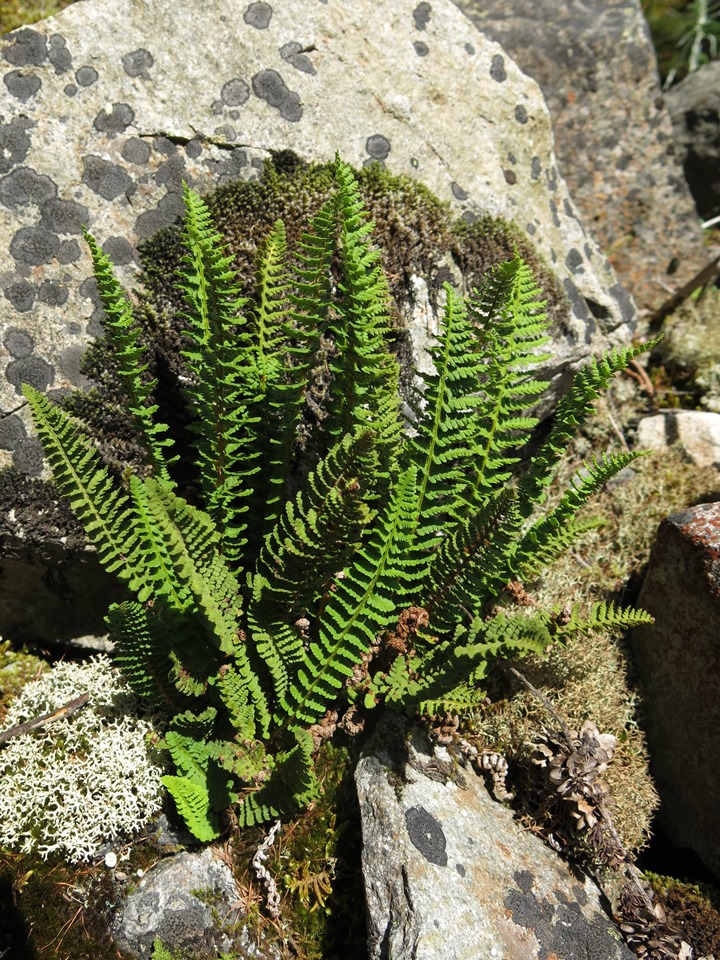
(421, 49)
(115, 121)
(258, 15)
(194, 149)
(135, 150)
(235, 92)
(588, 251)
(18, 343)
(63, 216)
(106, 179)
(22, 86)
(33, 370)
(531, 229)
(171, 173)
(554, 212)
(29, 48)
(497, 68)
(21, 295)
(69, 251)
(458, 192)
(28, 457)
(58, 54)
(53, 293)
(165, 146)
(469, 49)
(521, 114)
(137, 63)
(167, 211)
(510, 176)
(460, 869)
(269, 86)
(567, 207)
(525, 880)
(511, 157)
(12, 432)
(624, 301)
(227, 132)
(86, 76)
(574, 260)
(291, 52)
(426, 835)
(421, 15)
(34, 246)
(378, 146)
(577, 302)
(69, 89)
(119, 250)
(14, 142)
(24, 186)
(535, 168)
(551, 175)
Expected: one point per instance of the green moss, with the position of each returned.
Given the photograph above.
(693, 910)
(17, 667)
(16, 13)
(316, 865)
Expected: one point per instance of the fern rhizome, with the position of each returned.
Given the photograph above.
(366, 565)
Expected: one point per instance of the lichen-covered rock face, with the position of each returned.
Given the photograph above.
(103, 118)
(595, 63)
(449, 873)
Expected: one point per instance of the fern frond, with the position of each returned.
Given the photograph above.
(141, 655)
(216, 357)
(365, 375)
(558, 530)
(604, 616)
(124, 336)
(292, 784)
(572, 411)
(512, 332)
(193, 804)
(444, 446)
(106, 513)
(371, 594)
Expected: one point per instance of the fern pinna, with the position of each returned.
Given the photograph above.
(366, 563)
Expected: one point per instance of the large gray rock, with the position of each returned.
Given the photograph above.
(694, 106)
(595, 63)
(110, 105)
(678, 660)
(179, 902)
(449, 875)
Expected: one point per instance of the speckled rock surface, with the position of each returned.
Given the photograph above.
(164, 905)
(613, 136)
(696, 431)
(678, 660)
(101, 118)
(449, 875)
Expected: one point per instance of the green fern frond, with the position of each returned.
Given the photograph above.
(216, 357)
(512, 332)
(572, 411)
(292, 784)
(124, 335)
(141, 655)
(604, 616)
(365, 375)
(369, 597)
(558, 530)
(193, 804)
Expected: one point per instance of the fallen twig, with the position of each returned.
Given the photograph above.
(65, 711)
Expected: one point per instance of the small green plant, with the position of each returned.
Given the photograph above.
(329, 552)
(685, 35)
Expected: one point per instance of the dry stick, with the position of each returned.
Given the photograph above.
(66, 711)
(701, 279)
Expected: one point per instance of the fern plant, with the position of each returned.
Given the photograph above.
(366, 565)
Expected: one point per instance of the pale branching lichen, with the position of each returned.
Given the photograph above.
(74, 784)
